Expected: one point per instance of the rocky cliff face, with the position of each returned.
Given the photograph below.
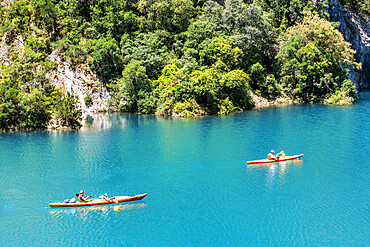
(81, 82)
(357, 32)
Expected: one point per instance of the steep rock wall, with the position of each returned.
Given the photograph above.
(357, 32)
(79, 80)
(81, 83)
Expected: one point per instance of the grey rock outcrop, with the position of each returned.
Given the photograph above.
(81, 82)
(357, 32)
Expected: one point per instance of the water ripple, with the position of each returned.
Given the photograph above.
(200, 191)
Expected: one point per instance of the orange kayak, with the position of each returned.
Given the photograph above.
(282, 158)
(93, 202)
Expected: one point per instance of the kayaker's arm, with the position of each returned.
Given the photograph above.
(83, 198)
(279, 154)
(113, 199)
(271, 157)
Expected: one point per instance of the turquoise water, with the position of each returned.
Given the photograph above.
(200, 191)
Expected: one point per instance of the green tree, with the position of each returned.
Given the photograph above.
(9, 106)
(313, 58)
(22, 16)
(249, 30)
(205, 86)
(25, 100)
(170, 88)
(235, 84)
(113, 18)
(360, 7)
(170, 15)
(35, 109)
(65, 109)
(286, 13)
(106, 58)
(150, 49)
(133, 86)
(221, 49)
(213, 91)
(216, 84)
(198, 35)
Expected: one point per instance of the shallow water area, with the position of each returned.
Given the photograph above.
(200, 191)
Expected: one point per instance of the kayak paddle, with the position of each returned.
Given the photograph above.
(114, 199)
(86, 197)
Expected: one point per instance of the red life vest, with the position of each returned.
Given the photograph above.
(81, 198)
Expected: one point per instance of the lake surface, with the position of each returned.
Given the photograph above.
(200, 191)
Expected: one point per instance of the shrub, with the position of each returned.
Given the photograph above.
(88, 100)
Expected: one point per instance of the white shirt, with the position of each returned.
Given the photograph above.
(272, 156)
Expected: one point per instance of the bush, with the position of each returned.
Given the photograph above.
(344, 96)
(66, 110)
(134, 86)
(339, 98)
(146, 103)
(88, 100)
(188, 109)
(226, 107)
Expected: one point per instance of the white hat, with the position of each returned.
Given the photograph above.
(272, 151)
(81, 191)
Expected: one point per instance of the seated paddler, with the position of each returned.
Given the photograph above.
(104, 197)
(81, 197)
(271, 155)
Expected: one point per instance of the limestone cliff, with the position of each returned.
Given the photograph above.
(81, 82)
(357, 32)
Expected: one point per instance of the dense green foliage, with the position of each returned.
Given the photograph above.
(213, 91)
(172, 57)
(313, 58)
(360, 7)
(28, 100)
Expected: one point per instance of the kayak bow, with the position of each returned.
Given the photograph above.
(281, 158)
(93, 202)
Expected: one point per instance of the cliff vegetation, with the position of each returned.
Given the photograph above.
(170, 57)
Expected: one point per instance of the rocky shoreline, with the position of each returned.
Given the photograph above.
(260, 102)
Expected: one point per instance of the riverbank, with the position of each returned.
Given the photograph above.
(260, 102)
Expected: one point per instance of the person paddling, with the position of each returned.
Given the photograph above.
(271, 155)
(81, 197)
(105, 197)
